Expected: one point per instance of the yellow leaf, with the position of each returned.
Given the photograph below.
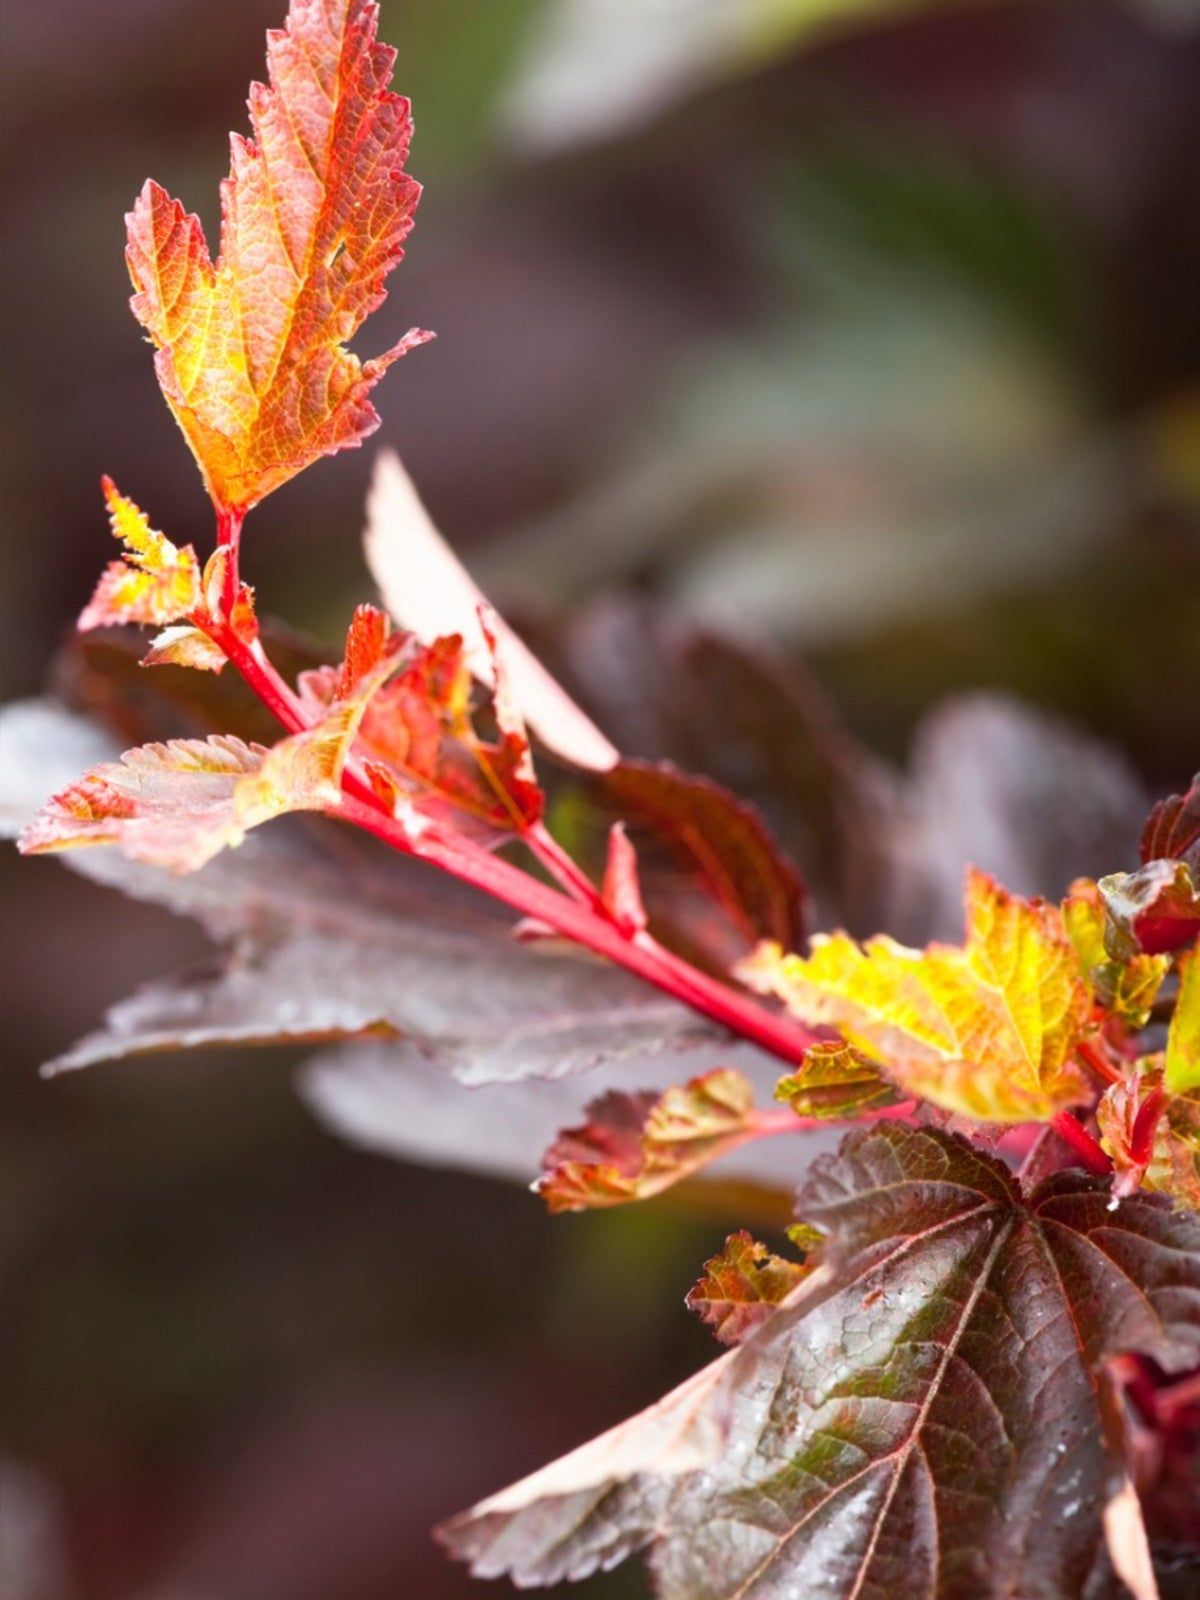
(154, 582)
(1126, 987)
(252, 354)
(1183, 1040)
(987, 1030)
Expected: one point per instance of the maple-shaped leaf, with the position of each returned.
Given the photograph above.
(1172, 829)
(742, 1286)
(920, 1418)
(418, 737)
(252, 354)
(178, 804)
(987, 1030)
(835, 1080)
(1155, 909)
(153, 581)
(636, 1145)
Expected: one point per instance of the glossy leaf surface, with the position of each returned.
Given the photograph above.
(921, 1417)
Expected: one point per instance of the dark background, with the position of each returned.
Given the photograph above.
(876, 338)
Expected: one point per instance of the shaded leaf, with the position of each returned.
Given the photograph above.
(835, 1080)
(474, 1004)
(988, 1029)
(742, 1286)
(622, 888)
(1030, 799)
(920, 1417)
(1172, 830)
(1156, 1418)
(252, 354)
(153, 581)
(1155, 909)
(636, 1145)
(715, 880)
(390, 1096)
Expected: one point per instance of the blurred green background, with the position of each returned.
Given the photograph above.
(870, 331)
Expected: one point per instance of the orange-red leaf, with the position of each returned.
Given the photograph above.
(418, 738)
(988, 1029)
(636, 1145)
(742, 1286)
(153, 581)
(252, 354)
(178, 804)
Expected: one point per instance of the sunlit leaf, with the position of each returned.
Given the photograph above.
(153, 581)
(252, 354)
(636, 1145)
(1183, 1039)
(1126, 987)
(742, 1286)
(988, 1029)
(835, 1080)
(178, 804)
(418, 737)
(920, 1417)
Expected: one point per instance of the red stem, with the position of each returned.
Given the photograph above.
(1090, 1153)
(1092, 1056)
(641, 956)
(579, 913)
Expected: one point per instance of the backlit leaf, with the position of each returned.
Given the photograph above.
(1183, 1039)
(418, 738)
(178, 804)
(252, 354)
(742, 1286)
(835, 1080)
(635, 1146)
(988, 1029)
(920, 1417)
(153, 581)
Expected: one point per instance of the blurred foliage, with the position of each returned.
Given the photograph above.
(866, 329)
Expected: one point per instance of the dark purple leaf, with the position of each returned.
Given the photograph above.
(920, 1418)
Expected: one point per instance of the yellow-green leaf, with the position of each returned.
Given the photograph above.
(987, 1029)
